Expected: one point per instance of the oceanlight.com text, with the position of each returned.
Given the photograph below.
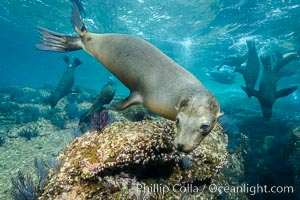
(251, 189)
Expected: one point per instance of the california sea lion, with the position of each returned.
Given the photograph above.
(154, 79)
(267, 93)
(106, 95)
(251, 71)
(66, 82)
(223, 74)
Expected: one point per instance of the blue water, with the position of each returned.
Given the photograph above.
(196, 34)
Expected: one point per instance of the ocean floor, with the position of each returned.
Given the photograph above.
(30, 129)
(19, 153)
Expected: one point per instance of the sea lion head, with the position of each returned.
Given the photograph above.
(196, 117)
(266, 111)
(53, 99)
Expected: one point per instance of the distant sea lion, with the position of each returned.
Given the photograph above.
(66, 82)
(154, 79)
(106, 95)
(251, 71)
(267, 93)
(223, 74)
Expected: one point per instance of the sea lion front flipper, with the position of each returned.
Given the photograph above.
(76, 62)
(133, 99)
(285, 92)
(66, 59)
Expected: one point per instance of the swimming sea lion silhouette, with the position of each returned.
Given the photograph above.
(66, 82)
(106, 95)
(267, 93)
(223, 74)
(251, 70)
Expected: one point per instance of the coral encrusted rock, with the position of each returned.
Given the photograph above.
(137, 160)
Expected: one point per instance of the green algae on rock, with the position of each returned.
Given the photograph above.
(134, 160)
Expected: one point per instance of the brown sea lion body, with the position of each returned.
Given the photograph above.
(154, 79)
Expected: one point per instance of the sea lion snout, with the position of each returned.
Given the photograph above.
(194, 121)
(188, 141)
(190, 132)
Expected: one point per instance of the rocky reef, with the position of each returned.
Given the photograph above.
(132, 158)
(136, 160)
(295, 158)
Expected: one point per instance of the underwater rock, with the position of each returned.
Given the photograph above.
(29, 132)
(295, 159)
(269, 143)
(133, 160)
(132, 114)
(2, 140)
(26, 95)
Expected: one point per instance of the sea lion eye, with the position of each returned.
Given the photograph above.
(177, 121)
(205, 127)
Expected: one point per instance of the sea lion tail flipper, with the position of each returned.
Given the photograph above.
(66, 59)
(76, 62)
(285, 92)
(250, 44)
(52, 41)
(77, 21)
(80, 6)
(133, 99)
(266, 60)
(111, 80)
(250, 92)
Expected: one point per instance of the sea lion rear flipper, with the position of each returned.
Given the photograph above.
(251, 44)
(77, 21)
(266, 61)
(66, 59)
(250, 92)
(80, 6)
(285, 92)
(76, 62)
(133, 99)
(52, 41)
